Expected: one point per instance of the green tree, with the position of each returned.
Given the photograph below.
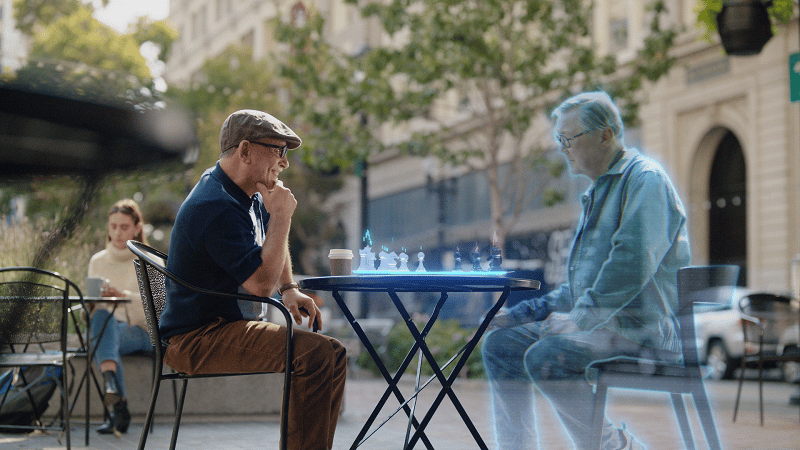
(75, 54)
(33, 14)
(504, 63)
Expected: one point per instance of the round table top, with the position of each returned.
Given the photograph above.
(101, 299)
(420, 282)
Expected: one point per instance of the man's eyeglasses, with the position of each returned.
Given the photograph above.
(282, 150)
(564, 141)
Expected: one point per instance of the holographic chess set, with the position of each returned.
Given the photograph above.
(390, 263)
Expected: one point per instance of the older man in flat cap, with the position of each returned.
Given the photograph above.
(232, 233)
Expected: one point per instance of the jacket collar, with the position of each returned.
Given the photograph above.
(628, 154)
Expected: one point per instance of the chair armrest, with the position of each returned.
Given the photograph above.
(754, 320)
(136, 248)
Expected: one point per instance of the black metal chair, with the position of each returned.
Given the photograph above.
(34, 307)
(696, 284)
(765, 317)
(152, 277)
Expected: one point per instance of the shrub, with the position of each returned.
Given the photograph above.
(445, 339)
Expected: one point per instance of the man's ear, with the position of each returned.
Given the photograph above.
(244, 150)
(608, 134)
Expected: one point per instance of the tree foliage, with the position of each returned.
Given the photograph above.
(81, 37)
(31, 14)
(324, 101)
(75, 54)
(465, 81)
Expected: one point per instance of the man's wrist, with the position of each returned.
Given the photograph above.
(286, 287)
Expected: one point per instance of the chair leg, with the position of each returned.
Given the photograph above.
(599, 414)
(65, 406)
(88, 392)
(706, 415)
(178, 413)
(761, 387)
(153, 367)
(148, 420)
(683, 419)
(739, 390)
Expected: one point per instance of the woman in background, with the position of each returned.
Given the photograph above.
(126, 331)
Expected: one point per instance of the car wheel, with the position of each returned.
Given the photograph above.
(791, 369)
(719, 361)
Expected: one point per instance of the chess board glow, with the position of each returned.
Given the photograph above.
(451, 273)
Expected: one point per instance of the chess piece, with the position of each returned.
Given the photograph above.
(476, 259)
(403, 262)
(421, 266)
(457, 258)
(367, 257)
(385, 263)
(496, 259)
(393, 261)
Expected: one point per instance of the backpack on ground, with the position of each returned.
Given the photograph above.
(25, 395)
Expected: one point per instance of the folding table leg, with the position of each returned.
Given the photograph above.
(391, 381)
(448, 381)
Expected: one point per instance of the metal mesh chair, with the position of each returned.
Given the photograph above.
(152, 277)
(33, 312)
(765, 317)
(696, 284)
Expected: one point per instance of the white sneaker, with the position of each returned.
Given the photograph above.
(629, 442)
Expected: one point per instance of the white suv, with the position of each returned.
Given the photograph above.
(720, 341)
(718, 329)
(788, 345)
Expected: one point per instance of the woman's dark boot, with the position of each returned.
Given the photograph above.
(119, 419)
(108, 426)
(122, 417)
(112, 392)
(118, 415)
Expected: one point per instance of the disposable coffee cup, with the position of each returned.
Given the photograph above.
(94, 286)
(341, 261)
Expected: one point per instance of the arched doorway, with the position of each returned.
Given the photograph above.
(727, 219)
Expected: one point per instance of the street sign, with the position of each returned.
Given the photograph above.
(794, 77)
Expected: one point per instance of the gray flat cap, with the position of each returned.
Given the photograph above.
(251, 124)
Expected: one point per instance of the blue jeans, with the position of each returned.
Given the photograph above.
(517, 359)
(118, 339)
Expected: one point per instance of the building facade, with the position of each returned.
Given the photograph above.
(723, 127)
(13, 45)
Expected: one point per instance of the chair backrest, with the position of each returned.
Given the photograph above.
(701, 284)
(152, 287)
(774, 311)
(33, 305)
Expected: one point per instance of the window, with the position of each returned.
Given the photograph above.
(619, 34)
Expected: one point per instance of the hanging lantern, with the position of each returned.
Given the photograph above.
(744, 26)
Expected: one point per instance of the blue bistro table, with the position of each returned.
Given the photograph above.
(420, 282)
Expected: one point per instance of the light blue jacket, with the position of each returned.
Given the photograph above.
(630, 242)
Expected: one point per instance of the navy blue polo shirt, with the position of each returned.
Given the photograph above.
(215, 244)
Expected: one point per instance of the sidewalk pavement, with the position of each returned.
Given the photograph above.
(649, 416)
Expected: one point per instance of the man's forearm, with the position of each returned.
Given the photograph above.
(285, 276)
(274, 254)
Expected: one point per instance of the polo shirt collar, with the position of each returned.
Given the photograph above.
(231, 188)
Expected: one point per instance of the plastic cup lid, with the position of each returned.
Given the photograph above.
(340, 253)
